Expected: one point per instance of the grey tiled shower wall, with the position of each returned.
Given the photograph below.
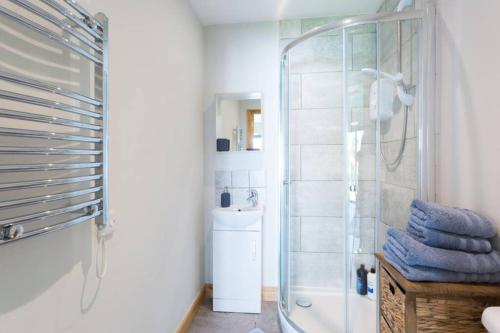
(317, 152)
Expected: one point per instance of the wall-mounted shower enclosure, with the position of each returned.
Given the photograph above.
(348, 174)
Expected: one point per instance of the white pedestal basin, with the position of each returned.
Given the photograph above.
(237, 217)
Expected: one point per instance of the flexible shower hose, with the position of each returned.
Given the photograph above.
(392, 165)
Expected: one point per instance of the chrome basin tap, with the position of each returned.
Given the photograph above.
(253, 197)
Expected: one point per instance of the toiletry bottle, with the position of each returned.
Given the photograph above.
(372, 284)
(361, 281)
(225, 198)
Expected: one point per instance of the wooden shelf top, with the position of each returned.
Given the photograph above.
(439, 288)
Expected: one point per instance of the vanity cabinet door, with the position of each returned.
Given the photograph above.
(237, 268)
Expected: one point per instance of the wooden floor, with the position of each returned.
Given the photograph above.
(207, 321)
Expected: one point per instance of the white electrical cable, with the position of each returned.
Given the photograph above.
(101, 257)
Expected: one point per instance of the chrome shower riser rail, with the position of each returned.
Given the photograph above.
(48, 33)
(16, 97)
(47, 166)
(48, 182)
(58, 23)
(48, 213)
(24, 81)
(46, 151)
(47, 135)
(39, 118)
(72, 17)
(52, 228)
(48, 198)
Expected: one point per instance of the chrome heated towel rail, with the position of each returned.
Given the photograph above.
(53, 117)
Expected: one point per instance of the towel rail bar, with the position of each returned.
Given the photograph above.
(52, 228)
(58, 23)
(48, 33)
(49, 213)
(4, 131)
(47, 182)
(73, 4)
(19, 115)
(48, 198)
(7, 150)
(17, 79)
(48, 166)
(102, 76)
(72, 17)
(12, 96)
(51, 185)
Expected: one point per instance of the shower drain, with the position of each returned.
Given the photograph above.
(303, 302)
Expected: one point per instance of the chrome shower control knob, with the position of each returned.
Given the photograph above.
(15, 231)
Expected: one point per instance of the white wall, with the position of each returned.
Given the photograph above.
(242, 58)
(49, 283)
(468, 79)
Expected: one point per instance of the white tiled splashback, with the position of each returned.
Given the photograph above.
(238, 183)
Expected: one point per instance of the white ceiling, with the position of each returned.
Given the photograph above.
(213, 12)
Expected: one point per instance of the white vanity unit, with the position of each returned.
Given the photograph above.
(237, 259)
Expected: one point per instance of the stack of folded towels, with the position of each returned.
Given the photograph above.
(444, 244)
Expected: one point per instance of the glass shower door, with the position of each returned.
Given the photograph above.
(315, 238)
(360, 170)
(381, 147)
(284, 292)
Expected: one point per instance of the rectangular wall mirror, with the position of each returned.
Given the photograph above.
(239, 122)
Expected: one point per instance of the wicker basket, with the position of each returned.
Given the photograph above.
(407, 307)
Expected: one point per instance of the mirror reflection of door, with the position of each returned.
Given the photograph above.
(254, 129)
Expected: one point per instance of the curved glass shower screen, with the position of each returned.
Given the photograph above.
(353, 126)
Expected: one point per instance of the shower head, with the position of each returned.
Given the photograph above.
(404, 97)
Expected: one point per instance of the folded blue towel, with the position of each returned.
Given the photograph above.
(419, 273)
(414, 253)
(454, 220)
(446, 240)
